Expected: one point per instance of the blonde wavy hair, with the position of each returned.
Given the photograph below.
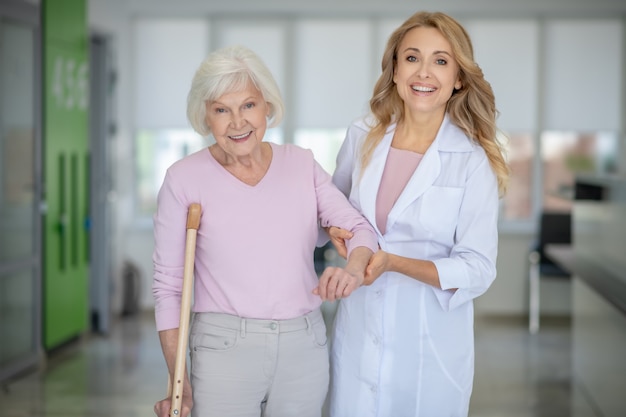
(472, 108)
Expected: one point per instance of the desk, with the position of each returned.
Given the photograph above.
(608, 284)
(598, 332)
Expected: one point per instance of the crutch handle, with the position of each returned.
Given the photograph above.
(193, 216)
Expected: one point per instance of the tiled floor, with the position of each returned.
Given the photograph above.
(517, 375)
(523, 375)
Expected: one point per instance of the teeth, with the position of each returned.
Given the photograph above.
(240, 136)
(423, 89)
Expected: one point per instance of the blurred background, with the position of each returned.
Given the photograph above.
(92, 112)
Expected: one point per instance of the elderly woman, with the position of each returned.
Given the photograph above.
(257, 339)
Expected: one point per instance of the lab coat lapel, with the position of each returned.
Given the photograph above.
(423, 178)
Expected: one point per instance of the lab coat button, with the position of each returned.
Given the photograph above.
(273, 326)
(376, 341)
(374, 389)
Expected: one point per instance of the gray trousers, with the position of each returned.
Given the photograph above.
(250, 368)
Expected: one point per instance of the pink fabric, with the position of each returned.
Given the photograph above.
(254, 250)
(399, 167)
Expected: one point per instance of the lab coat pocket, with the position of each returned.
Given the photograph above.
(439, 211)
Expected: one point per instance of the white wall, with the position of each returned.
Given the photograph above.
(132, 240)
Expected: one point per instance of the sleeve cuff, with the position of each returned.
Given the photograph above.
(450, 278)
(167, 318)
(362, 239)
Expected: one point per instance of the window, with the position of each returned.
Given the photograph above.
(516, 102)
(324, 143)
(157, 149)
(518, 201)
(567, 154)
(553, 132)
(163, 75)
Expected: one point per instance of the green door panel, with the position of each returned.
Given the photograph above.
(65, 272)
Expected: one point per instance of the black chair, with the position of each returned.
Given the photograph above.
(554, 228)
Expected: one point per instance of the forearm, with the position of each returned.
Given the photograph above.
(421, 270)
(169, 345)
(357, 260)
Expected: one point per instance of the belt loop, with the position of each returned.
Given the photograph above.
(243, 327)
(309, 327)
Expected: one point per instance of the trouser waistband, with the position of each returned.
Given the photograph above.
(246, 325)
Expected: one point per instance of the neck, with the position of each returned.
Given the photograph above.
(417, 132)
(259, 157)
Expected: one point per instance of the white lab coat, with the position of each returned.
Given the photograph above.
(402, 348)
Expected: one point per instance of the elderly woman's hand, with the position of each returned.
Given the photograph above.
(338, 237)
(162, 408)
(336, 283)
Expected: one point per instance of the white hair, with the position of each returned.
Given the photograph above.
(229, 70)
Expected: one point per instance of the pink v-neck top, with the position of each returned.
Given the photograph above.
(254, 249)
(399, 168)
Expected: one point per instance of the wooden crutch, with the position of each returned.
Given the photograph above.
(175, 389)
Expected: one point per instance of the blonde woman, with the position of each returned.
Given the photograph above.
(426, 170)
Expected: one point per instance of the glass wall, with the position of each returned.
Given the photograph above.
(547, 95)
(164, 71)
(583, 83)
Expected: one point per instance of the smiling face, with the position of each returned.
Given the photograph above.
(426, 72)
(238, 121)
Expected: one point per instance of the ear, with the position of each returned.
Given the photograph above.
(458, 85)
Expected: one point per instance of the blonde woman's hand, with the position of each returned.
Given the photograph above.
(379, 263)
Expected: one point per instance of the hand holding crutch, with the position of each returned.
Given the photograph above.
(175, 386)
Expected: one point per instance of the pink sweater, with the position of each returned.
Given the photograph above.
(254, 249)
(399, 168)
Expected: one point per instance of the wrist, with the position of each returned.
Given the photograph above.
(358, 274)
(390, 262)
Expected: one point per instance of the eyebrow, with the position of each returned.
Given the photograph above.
(434, 53)
(219, 103)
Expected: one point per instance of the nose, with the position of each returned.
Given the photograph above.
(423, 71)
(237, 121)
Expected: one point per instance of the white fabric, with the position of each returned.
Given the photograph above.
(402, 348)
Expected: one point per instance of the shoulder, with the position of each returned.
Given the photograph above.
(186, 178)
(357, 132)
(453, 139)
(460, 147)
(290, 156)
(191, 161)
(291, 151)
(361, 126)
